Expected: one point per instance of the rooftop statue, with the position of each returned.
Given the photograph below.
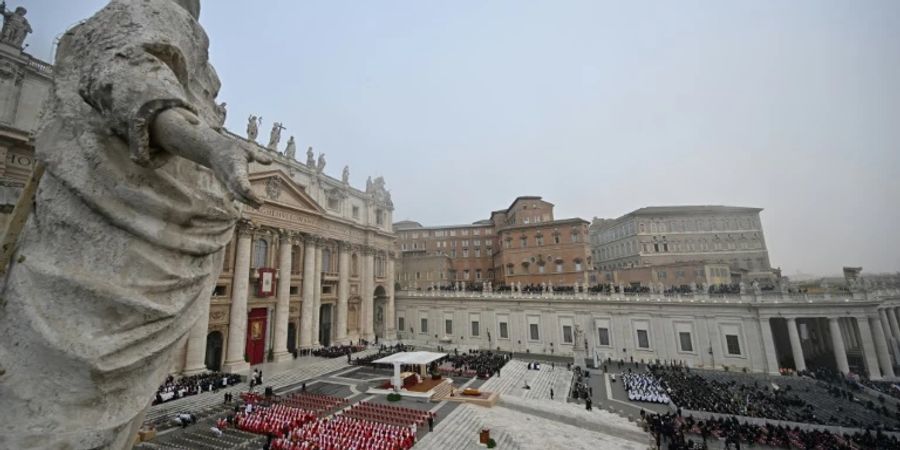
(291, 151)
(126, 239)
(310, 158)
(275, 136)
(253, 124)
(15, 26)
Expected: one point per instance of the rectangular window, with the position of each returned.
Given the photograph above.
(684, 338)
(577, 266)
(424, 326)
(559, 267)
(478, 253)
(466, 274)
(477, 274)
(643, 339)
(533, 333)
(356, 212)
(540, 240)
(448, 327)
(401, 324)
(540, 268)
(504, 330)
(567, 334)
(465, 253)
(603, 336)
(475, 328)
(509, 270)
(524, 242)
(733, 344)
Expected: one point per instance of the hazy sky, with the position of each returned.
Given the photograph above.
(599, 107)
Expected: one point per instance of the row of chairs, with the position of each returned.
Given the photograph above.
(342, 432)
(389, 414)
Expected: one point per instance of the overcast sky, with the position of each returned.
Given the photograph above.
(599, 107)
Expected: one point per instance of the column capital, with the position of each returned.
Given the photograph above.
(244, 227)
(367, 250)
(287, 236)
(345, 246)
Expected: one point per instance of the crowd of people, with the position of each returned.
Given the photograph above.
(336, 351)
(173, 389)
(480, 363)
(644, 387)
(341, 433)
(676, 432)
(383, 352)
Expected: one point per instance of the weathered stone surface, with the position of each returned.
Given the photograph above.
(125, 242)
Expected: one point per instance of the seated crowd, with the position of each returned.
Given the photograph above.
(792, 399)
(173, 389)
(300, 421)
(483, 364)
(336, 351)
(644, 387)
(672, 431)
(383, 352)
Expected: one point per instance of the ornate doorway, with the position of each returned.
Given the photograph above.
(256, 335)
(214, 350)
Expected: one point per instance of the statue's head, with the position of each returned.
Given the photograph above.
(21, 11)
(192, 6)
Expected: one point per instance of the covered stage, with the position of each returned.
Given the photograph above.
(420, 360)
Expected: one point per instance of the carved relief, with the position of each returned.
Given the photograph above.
(218, 315)
(273, 188)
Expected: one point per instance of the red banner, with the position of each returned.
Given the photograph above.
(265, 286)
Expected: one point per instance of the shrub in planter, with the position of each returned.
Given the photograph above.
(394, 397)
(491, 443)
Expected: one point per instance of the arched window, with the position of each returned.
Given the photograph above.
(260, 254)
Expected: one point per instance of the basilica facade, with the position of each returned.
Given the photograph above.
(311, 267)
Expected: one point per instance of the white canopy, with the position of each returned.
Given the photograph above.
(411, 358)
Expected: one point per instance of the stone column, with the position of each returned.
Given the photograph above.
(237, 326)
(282, 308)
(796, 348)
(893, 320)
(886, 328)
(390, 322)
(368, 296)
(195, 356)
(870, 357)
(837, 343)
(317, 296)
(769, 345)
(881, 347)
(309, 288)
(343, 293)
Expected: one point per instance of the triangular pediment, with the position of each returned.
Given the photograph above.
(274, 187)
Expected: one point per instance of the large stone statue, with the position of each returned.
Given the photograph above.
(126, 238)
(15, 26)
(275, 136)
(291, 151)
(253, 124)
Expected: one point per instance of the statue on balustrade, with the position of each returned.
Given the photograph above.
(15, 26)
(291, 151)
(129, 223)
(253, 124)
(275, 135)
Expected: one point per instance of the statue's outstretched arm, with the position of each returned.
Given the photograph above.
(180, 132)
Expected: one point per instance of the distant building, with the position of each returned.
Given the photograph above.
(662, 236)
(25, 84)
(523, 243)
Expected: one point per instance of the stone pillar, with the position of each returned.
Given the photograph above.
(886, 328)
(237, 326)
(317, 296)
(769, 346)
(343, 293)
(282, 308)
(309, 288)
(870, 357)
(796, 348)
(368, 296)
(881, 347)
(892, 319)
(390, 321)
(837, 343)
(195, 356)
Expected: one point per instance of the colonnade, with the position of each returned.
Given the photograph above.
(866, 332)
(311, 298)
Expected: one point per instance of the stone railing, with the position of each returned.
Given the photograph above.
(40, 66)
(762, 298)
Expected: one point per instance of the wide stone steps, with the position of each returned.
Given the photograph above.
(441, 391)
(459, 430)
(514, 374)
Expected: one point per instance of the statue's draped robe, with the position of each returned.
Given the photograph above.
(125, 241)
